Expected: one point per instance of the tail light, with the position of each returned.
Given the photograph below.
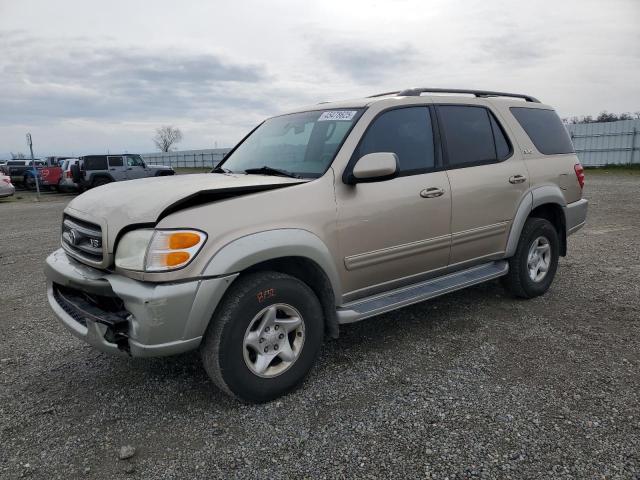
(68, 174)
(6, 180)
(579, 173)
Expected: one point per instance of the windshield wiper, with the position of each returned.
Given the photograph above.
(218, 169)
(265, 170)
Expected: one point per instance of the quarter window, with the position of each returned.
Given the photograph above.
(472, 135)
(406, 132)
(545, 130)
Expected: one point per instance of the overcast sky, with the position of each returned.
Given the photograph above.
(87, 77)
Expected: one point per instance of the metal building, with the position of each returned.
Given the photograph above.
(607, 143)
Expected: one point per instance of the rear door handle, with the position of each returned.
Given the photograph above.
(517, 179)
(432, 192)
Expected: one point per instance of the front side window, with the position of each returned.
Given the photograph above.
(303, 144)
(134, 161)
(406, 132)
(469, 135)
(545, 130)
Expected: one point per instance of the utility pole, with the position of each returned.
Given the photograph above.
(33, 164)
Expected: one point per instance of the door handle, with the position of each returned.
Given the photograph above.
(517, 179)
(129, 168)
(432, 192)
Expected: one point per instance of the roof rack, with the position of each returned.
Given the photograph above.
(415, 92)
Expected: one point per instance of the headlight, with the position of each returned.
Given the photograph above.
(158, 250)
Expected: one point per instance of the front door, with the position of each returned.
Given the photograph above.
(392, 231)
(135, 167)
(488, 179)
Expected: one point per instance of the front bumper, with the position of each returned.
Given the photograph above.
(156, 319)
(575, 215)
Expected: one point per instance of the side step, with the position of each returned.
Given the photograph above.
(401, 297)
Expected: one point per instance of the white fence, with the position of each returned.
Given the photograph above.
(207, 158)
(607, 143)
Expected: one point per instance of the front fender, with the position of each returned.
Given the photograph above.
(259, 247)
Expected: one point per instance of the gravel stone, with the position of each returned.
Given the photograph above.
(498, 387)
(126, 451)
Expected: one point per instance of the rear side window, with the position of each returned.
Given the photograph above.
(115, 161)
(406, 132)
(545, 130)
(95, 163)
(472, 135)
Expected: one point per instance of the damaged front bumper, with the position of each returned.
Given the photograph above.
(117, 314)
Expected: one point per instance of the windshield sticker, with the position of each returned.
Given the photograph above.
(333, 115)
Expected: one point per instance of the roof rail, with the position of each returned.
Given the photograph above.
(415, 92)
(384, 94)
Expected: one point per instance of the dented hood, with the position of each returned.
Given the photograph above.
(145, 201)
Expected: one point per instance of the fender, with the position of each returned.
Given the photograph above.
(532, 199)
(259, 247)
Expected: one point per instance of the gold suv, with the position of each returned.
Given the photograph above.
(323, 216)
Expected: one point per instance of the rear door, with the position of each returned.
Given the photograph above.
(488, 179)
(117, 168)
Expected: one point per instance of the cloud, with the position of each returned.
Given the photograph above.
(84, 80)
(364, 63)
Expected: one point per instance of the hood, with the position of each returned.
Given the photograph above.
(145, 201)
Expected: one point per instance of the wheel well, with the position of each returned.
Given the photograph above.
(99, 176)
(554, 214)
(312, 274)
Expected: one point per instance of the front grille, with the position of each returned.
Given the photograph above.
(82, 238)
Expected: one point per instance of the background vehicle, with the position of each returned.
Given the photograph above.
(6, 187)
(22, 171)
(51, 172)
(66, 183)
(96, 170)
(328, 215)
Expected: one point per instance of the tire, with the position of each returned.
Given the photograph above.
(26, 183)
(99, 181)
(520, 280)
(231, 363)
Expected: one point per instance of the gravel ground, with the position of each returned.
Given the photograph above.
(473, 384)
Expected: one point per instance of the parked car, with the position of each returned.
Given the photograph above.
(328, 215)
(22, 171)
(97, 170)
(6, 187)
(51, 172)
(66, 183)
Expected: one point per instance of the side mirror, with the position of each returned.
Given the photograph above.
(374, 167)
(75, 173)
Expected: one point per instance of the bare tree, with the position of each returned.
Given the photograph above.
(18, 156)
(166, 137)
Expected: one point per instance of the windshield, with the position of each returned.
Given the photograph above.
(301, 143)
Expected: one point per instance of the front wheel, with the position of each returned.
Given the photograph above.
(534, 265)
(264, 336)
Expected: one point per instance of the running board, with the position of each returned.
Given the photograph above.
(401, 297)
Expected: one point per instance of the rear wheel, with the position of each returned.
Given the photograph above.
(28, 183)
(264, 337)
(534, 265)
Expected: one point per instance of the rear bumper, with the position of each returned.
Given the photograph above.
(575, 215)
(155, 319)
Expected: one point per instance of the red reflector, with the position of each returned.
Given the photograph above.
(579, 173)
